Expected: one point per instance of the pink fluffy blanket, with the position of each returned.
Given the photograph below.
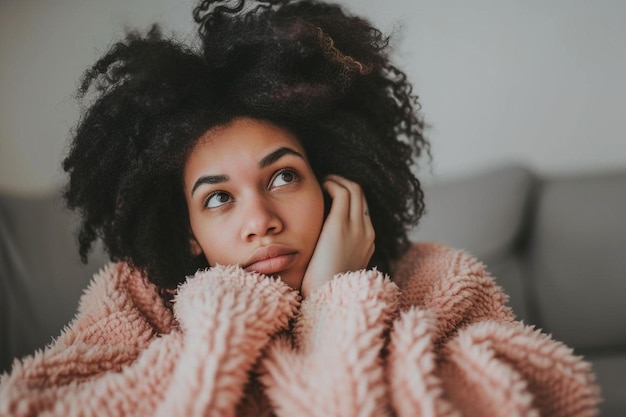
(438, 340)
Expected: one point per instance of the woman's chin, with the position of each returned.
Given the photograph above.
(294, 280)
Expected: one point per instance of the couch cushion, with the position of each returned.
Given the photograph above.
(610, 370)
(578, 261)
(482, 213)
(41, 276)
(485, 214)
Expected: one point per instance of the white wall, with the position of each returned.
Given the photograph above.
(536, 81)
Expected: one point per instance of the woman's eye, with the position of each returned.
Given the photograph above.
(217, 199)
(284, 177)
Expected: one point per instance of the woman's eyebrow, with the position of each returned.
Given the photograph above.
(209, 179)
(265, 162)
(276, 155)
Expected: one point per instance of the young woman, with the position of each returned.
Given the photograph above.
(254, 195)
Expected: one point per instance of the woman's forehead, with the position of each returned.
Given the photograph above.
(243, 141)
(246, 132)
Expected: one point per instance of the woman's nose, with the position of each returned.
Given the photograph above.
(260, 219)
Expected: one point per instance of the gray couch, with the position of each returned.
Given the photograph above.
(554, 244)
(557, 246)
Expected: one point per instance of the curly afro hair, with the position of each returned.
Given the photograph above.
(307, 66)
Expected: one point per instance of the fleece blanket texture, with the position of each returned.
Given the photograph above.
(438, 340)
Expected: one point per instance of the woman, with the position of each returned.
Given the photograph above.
(255, 195)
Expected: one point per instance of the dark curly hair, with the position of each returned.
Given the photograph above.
(306, 66)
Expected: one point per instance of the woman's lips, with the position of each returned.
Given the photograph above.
(270, 260)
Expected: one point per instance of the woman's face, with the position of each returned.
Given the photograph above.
(253, 200)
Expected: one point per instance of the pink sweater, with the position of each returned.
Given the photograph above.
(437, 341)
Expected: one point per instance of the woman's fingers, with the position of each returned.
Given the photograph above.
(340, 196)
(346, 242)
(358, 209)
(356, 205)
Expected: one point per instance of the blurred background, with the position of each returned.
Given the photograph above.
(537, 82)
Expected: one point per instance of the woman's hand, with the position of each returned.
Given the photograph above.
(346, 242)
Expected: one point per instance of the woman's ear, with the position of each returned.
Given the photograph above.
(194, 246)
